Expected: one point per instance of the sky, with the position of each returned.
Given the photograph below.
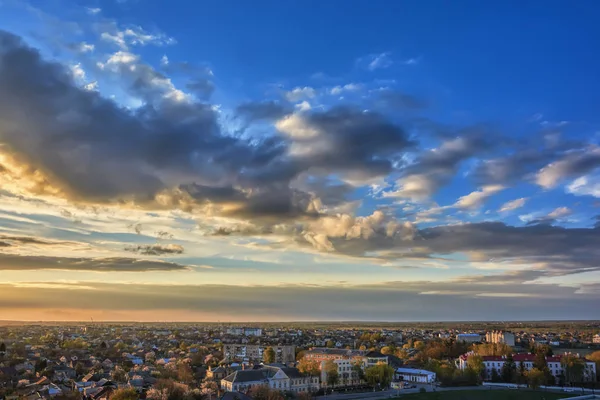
(299, 160)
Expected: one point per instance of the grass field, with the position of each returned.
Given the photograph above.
(487, 395)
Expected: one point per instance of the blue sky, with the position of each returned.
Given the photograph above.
(431, 152)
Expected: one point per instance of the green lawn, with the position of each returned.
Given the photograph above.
(487, 395)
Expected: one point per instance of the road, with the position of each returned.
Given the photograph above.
(396, 393)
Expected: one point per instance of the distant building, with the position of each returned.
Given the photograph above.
(468, 337)
(249, 352)
(238, 331)
(500, 337)
(554, 364)
(364, 357)
(414, 375)
(596, 339)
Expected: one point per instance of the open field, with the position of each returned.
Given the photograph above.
(487, 395)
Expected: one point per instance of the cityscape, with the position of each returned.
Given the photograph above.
(299, 200)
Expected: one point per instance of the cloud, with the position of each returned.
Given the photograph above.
(379, 61)
(156, 249)
(267, 110)
(560, 212)
(513, 204)
(434, 168)
(350, 87)
(13, 262)
(132, 36)
(477, 198)
(395, 301)
(575, 163)
(395, 100)
(300, 93)
(93, 10)
(588, 185)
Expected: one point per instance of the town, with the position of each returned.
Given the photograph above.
(110, 361)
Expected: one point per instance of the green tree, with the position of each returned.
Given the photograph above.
(380, 374)
(535, 378)
(521, 373)
(573, 368)
(330, 344)
(509, 370)
(475, 364)
(331, 373)
(125, 394)
(2, 347)
(269, 355)
(495, 375)
(358, 371)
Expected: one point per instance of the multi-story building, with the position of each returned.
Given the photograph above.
(492, 363)
(249, 352)
(283, 379)
(346, 361)
(237, 331)
(500, 337)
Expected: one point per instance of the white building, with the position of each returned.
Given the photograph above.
(492, 363)
(500, 337)
(346, 372)
(468, 337)
(283, 379)
(415, 375)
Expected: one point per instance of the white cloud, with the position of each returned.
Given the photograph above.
(164, 61)
(304, 106)
(588, 185)
(380, 61)
(513, 204)
(135, 36)
(350, 87)
(299, 93)
(84, 47)
(559, 212)
(78, 72)
(92, 86)
(573, 164)
(93, 10)
(477, 198)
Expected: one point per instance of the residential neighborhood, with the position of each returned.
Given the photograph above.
(100, 361)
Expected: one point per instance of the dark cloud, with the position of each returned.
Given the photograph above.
(552, 250)
(267, 110)
(171, 152)
(394, 301)
(203, 88)
(13, 262)
(157, 249)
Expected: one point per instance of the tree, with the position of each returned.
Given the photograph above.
(509, 370)
(330, 344)
(475, 364)
(125, 394)
(522, 373)
(358, 371)
(495, 375)
(573, 368)
(264, 392)
(184, 373)
(535, 378)
(269, 355)
(380, 374)
(331, 372)
(595, 357)
(2, 347)
(309, 367)
(419, 345)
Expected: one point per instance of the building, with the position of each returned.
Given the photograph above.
(500, 337)
(364, 358)
(596, 339)
(278, 378)
(414, 375)
(249, 352)
(346, 372)
(468, 337)
(238, 331)
(492, 363)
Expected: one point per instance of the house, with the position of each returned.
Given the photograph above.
(414, 375)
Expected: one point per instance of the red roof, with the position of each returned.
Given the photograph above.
(521, 358)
